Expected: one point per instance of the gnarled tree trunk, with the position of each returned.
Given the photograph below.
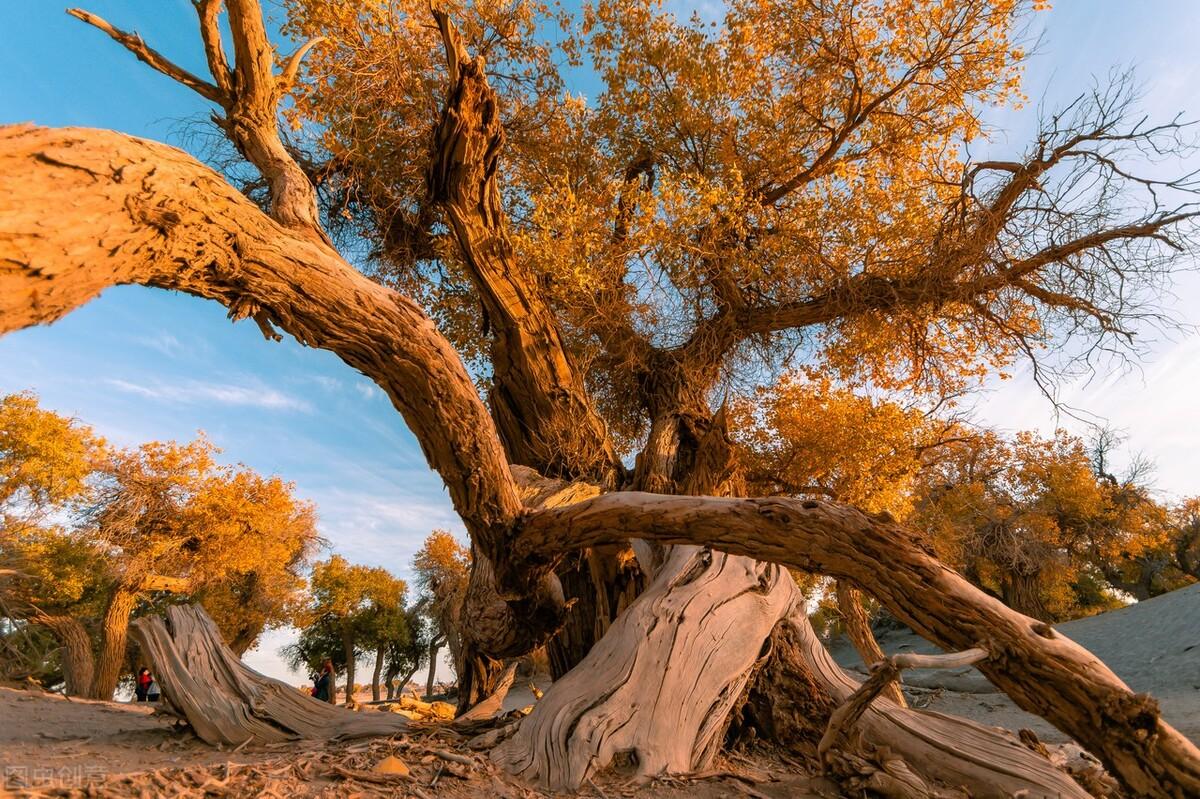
(77, 660)
(114, 629)
(653, 696)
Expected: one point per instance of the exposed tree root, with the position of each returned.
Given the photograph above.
(653, 695)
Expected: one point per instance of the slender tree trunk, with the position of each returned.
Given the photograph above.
(402, 684)
(77, 660)
(389, 681)
(434, 645)
(858, 629)
(114, 629)
(348, 652)
(376, 674)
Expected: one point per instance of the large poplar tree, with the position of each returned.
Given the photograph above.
(792, 183)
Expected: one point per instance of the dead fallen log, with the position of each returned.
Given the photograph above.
(229, 704)
(884, 673)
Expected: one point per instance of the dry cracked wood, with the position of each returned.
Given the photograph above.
(653, 694)
(228, 703)
(144, 213)
(1041, 670)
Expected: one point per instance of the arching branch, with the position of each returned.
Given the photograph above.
(1043, 671)
(147, 214)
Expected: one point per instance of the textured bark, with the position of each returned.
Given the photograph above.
(653, 695)
(1021, 591)
(600, 583)
(377, 674)
(673, 665)
(226, 702)
(144, 213)
(1040, 669)
(858, 629)
(77, 660)
(114, 629)
(542, 411)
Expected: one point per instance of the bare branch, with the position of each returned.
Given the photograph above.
(134, 44)
(293, 64)
(209, 13)
(884, 674)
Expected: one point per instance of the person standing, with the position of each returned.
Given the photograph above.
(324, 687)
(141, 688)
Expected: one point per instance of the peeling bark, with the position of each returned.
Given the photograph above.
(226, 702)
(1041, 670)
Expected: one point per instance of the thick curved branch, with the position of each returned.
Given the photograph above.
(83, 210)
(545, 417)
(1044, 672)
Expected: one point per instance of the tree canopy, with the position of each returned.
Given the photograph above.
(97, 533)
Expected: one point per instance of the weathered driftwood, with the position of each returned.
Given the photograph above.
(492, 704)
(660, 654)
(228, 703)
(884, 674)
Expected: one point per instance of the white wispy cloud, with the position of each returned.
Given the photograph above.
(369, 391)
(330, 384)
(195, 392)
(165, 343)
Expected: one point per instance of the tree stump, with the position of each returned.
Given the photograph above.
(228, 703)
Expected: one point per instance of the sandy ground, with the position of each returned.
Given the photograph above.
(54, 746)
(51, 746)
(46, 739)
(1154, 646)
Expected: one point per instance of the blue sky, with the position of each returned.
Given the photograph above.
(139, 364)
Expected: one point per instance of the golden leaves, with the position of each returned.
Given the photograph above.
(97, 517)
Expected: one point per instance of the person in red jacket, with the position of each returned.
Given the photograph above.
(142, 687)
